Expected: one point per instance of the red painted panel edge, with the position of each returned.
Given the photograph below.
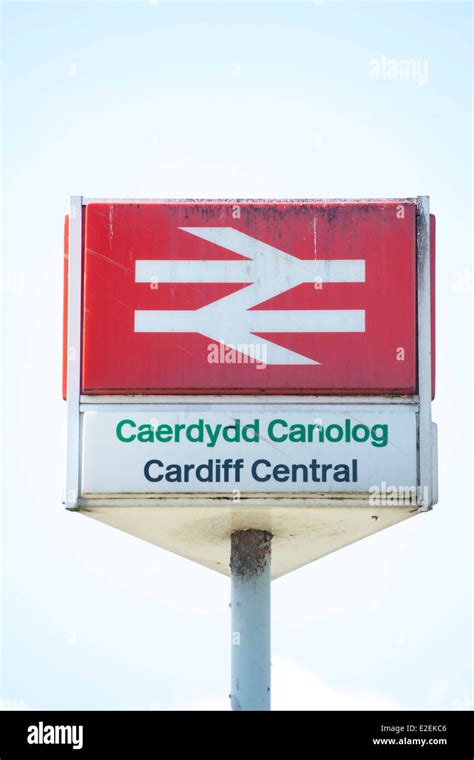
(433, 301)
(65, 302)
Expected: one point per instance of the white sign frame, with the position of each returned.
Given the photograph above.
(76, 404)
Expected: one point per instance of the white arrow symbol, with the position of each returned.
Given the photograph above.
(268, 271)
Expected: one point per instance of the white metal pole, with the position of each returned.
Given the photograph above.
(250, 563)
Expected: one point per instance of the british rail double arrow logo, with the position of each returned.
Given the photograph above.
(267, 272)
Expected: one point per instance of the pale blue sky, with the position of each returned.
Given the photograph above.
(214, 100)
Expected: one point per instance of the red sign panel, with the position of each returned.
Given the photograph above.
(250, 297)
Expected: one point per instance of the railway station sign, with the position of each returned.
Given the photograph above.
(245, 364)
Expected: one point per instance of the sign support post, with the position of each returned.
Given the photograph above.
(250, 564)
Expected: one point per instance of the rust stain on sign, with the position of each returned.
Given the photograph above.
(250, 550)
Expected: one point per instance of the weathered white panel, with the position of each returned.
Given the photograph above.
(197, 449)
(301, 534)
